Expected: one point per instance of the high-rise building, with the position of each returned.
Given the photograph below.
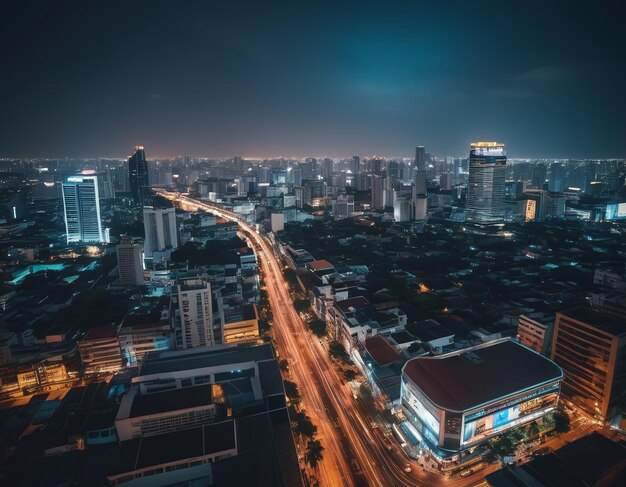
(486, 188)
(375, 165)
(81, 204)
(420, 158)
(328, 166)
(193, 316)
(387, 192)
(343, 206)
(393, 170)
(138, 177)
(160, 230)
(377, 193)
(130, 263)
(355, 165)
(420, 187)
(402, 206)
(313, 189)
(557, 177)
(540, 172)
(591, 348)
(445, 181)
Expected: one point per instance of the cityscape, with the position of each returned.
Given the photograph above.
(430, 291)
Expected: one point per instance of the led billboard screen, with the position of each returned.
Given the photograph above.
(506, 418)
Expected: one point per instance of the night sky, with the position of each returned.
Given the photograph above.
(94, 78)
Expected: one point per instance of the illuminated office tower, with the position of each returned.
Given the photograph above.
(81, 205)
(486, 187)
(138, 176)
(420, 158)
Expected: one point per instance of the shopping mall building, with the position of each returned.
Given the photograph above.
(458, 400)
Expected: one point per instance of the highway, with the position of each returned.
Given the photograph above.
(355, 454)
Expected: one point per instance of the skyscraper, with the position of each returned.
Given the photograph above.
(81, 204)
(355, 165)
(485, 192)
(420, 158)
(129, 263)
(377, 200)
(138, 177)
(160, 230)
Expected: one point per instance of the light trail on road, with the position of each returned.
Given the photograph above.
(353, 454)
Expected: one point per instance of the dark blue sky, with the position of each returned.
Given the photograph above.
(93, 78)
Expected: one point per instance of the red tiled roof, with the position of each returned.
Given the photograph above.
(381, 351)
(318, 265)
(499, 370)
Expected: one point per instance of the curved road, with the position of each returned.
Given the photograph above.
(355, 454)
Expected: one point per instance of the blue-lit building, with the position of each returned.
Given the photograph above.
(486, 186)
(81, 204)
(459, 400)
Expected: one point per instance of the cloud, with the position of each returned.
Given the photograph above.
(509, 93)
(157, 96)
(546, 73)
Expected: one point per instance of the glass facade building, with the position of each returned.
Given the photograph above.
(486, 186)
(81, 204)
(138, 177)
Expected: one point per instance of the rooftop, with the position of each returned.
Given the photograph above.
(590, 460)
(100, 333)
(381, 351)
(161, 402)
(163, 362)
(597, 319)
(190, 443)
(318, 265)
(460, 380)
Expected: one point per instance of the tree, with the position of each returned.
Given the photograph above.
(304, 426)
(318, 327)
(283, 365)
(291, 390)
(313, 453)
(338, 351)
(533, 430)
(302, 305)
(500, 447)
(561, 421)
(349, 374)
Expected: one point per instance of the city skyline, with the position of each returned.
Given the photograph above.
(313, 244)
(299, 79)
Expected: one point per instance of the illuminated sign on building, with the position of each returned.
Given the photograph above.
(507, 418)
(531, 210)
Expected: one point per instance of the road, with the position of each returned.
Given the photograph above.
(355, 454)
